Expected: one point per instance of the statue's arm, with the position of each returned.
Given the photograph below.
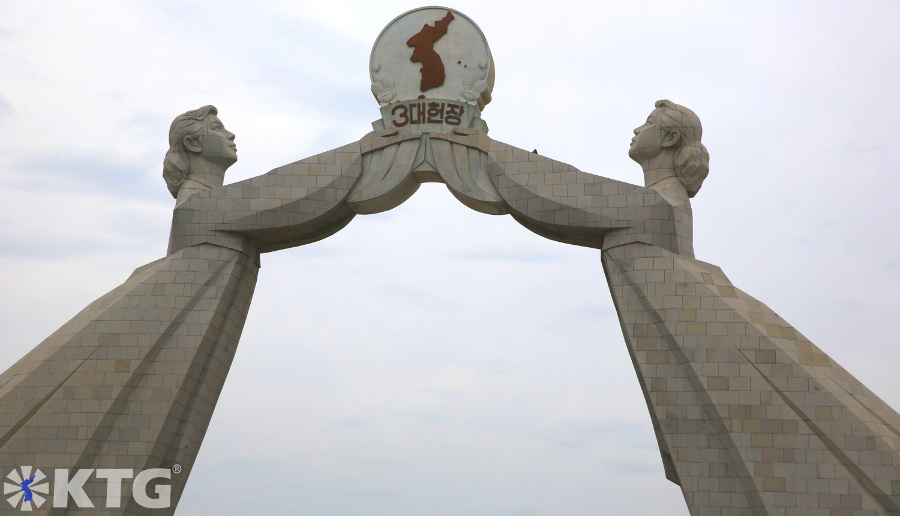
(560, 202)
(292, 205)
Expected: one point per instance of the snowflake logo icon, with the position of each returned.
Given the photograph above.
(25, 488)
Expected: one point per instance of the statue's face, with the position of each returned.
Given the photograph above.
(218, 142)
(648, 140)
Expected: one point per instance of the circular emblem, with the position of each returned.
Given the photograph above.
(432, 53)
(24, 486)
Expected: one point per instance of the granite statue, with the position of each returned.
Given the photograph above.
(750, 417)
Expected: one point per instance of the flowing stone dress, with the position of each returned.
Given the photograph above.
(132, 381)
(751, 418)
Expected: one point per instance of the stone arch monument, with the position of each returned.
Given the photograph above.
(751, 418)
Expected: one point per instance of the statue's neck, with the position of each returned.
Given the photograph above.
(665, 181)
(204, 175)
(189, 188)
(655, 175)
(672, 190)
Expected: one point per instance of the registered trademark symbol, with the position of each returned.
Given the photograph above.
(176, 469)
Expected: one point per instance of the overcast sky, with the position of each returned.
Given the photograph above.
(431, 359)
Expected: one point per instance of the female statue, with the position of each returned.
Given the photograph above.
(750, 417)
(132, 380)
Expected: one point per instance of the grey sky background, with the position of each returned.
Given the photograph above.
(431, 359)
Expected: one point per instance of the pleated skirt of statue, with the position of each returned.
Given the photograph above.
(131, 381)
(751, 418)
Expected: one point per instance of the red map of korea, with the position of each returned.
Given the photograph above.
(423, 43)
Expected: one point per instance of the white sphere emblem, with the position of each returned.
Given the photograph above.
(432, 53)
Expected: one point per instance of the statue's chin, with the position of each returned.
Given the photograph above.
(227, 161)
(634, 155)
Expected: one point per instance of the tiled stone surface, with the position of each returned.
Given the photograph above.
(131, 381)
(562, 203)
(751, 418)
(295, 204)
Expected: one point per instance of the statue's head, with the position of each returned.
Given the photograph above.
(200, 148)
(670, 139)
